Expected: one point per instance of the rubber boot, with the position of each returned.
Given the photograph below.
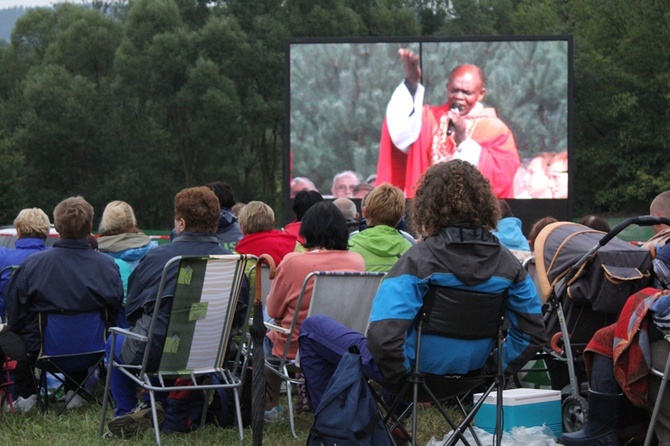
(600, 428)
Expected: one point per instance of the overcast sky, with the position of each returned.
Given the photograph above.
(10, 3)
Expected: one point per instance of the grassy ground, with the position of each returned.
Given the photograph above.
(80, 427)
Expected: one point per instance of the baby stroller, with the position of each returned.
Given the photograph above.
(583, 278)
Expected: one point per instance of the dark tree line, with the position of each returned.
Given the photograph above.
(137, 99)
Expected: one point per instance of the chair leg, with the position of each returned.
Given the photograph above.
(289, 399)
(106, 397)
(154, 417)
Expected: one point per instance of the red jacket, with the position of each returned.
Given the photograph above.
(273, 242)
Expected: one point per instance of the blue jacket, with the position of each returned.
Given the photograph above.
(466, 258)
(23, 247)
(510, 234)
(71, 277)
(229, 231)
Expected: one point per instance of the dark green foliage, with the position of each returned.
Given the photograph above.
(137, 99)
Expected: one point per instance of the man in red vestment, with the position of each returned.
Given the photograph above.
(416, 136)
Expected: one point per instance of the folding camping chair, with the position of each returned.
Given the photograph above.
(72, 343)
(452, 310)
(201, 318)
(344, 296)
(664, 375)
(7, 385)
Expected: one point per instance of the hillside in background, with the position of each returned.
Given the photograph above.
(9, 16)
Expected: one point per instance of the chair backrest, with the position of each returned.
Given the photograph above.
(203, 309)
(71, 341)
(450, 312)
(65, 334)
(345, 296)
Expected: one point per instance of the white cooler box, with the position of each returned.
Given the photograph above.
(522, 407)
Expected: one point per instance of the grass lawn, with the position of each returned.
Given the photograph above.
(80, 427)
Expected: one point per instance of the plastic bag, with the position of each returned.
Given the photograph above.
(518, 436)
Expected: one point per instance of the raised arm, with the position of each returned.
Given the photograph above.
(403, 113)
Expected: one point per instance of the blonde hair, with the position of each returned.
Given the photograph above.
(384, 205)
(117, 218)
(256, 216)
(32, 222)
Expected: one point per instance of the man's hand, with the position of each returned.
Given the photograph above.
(460, 126)
(412, 68)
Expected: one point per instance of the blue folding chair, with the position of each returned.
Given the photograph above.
(72, 344)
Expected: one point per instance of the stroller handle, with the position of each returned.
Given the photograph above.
(644, 220)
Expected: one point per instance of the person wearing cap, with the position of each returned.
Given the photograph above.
(120, 239)
(416, 136)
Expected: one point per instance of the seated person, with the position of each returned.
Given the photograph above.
(595, 222)
(325, 233)
(537, 227)
(32, 229)
(257, 221)
(617, 360)
(120, 239)
(303, 200)
(659, 207)
(454, 210)
(380, 244)
(71, 277)
(348, 209)
(509, 233)
(228, 230)
(196, 213)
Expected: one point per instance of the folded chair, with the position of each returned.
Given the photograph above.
(72, 343)
(201, 319)
(344, 296)
(449, 312)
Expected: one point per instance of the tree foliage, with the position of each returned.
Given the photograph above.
(135, 99)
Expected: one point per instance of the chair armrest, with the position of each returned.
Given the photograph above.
(274, 327)
(129, 334)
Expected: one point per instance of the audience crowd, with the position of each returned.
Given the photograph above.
(464, 237)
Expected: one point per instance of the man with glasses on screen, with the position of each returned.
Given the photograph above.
(416, 136)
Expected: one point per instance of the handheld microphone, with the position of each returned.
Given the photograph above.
(450, 129)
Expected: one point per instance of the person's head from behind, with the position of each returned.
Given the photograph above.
(224, 193)
(32, 223)
(344, 184)
(73, 218)
(466, 86)
(304, 200)
(505, 210)
(324, 227)
(385, 205)
(255, 217)
(595, 222)
(537, 227)
(536, 178)
(347, 207)
(453, 193)
(558, 175)
(362, 190)
(301, 183)
(660, 207)
(117, 218)
(196, 209)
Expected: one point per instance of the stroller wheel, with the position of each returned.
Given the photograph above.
(575, 413)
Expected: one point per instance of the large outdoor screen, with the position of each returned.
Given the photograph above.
(338, 97)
